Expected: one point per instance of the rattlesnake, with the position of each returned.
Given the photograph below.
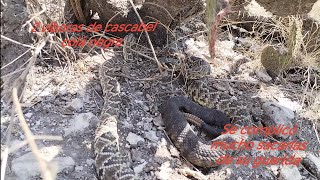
(216, 96)
(112, 162)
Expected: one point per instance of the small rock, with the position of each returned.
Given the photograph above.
(145, 107)
(226, 48)
(164, 172)
(286, 102)
(278, 115)
(174, 152)
(76, 104)
(78, 168)
(136, 155)
(274, 169)
(162, 150)
(89, 161)
(228, 171)
(151, 166)
(80, 122)
(140, 143)
(147, 119)
(151, 135)
(245, 42)
(146, 86)
(139, 168)
(133, 139)
(290, 173)
(28, 115)
(139, 93)
(97, 87)
(263, 75)
(158, 121)
(147, 126)
(63, 90)
(45, 92)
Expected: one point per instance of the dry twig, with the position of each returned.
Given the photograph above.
(46, 173)
(148, 38)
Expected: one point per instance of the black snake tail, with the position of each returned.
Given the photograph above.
(190, 146)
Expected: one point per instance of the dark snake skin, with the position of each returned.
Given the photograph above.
(191, 146)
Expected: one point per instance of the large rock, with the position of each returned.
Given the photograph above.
(290, 173)
(169, 13)
(292, 7)
(26, 166)
(278, 115)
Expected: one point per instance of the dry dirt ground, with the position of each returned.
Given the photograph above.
(66, 100)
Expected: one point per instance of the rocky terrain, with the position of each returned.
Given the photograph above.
(64, 98)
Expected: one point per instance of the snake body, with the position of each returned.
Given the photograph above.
(220, 106)
(215, 98)
(191, 146)
(111, 160)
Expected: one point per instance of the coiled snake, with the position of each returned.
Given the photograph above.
(112, 161)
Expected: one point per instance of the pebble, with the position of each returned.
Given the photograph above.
(78, 168)
(239, 178)
(28, 115)
(164, 172)
(174, 152)
(139, 168)
(286, 102)
(152, 136)
(263, 75)
(147, 126)
(290, 173)
(63, 90)
(140, 143)
(133, 139)
(76, 104)
(274, 169)
(278, 115)
(226, 48)
(79, 123)
(136, 155)
(146, 86)
(162, 151)
(158, 121)
(89, 161)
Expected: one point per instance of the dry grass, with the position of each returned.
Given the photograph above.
(15, 92)
(288, 32)
(300, 38)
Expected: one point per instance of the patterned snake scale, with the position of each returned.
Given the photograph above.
(216, 97)
(111, 162)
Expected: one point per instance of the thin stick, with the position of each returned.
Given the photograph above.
(16, 42)
(316, 132)
(39, 137)
(30, 138)
(33, 16)
(12, 61)
(6, 151)
(147, 35)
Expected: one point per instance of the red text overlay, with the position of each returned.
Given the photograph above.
(54, 27)
(260, 146)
